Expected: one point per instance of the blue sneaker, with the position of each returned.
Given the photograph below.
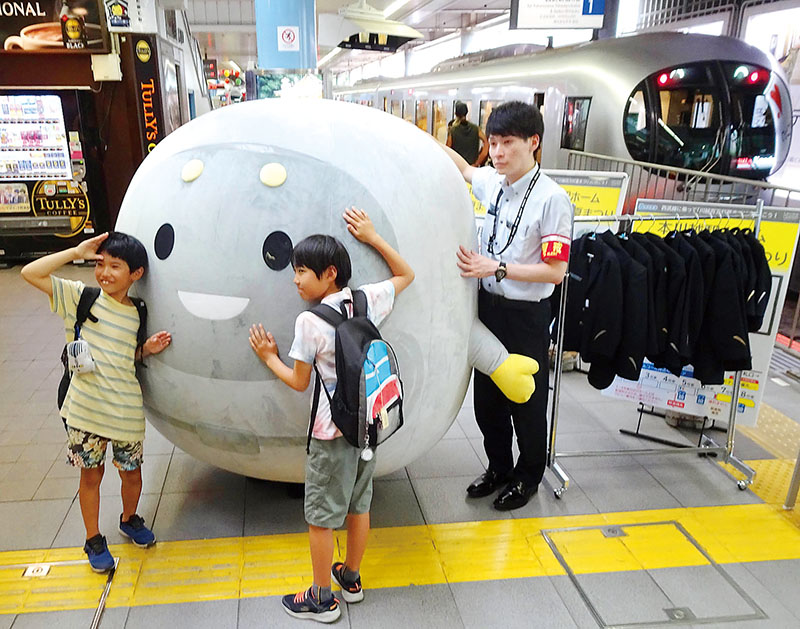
(135, 530)
(96, 550)
(305, 605)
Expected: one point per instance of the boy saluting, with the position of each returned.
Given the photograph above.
(338, 485)
(104, 404)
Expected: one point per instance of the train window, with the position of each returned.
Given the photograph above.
(486, 110)
(752, 136)
(636, 129)
(538, 100)
(440, 120)
(408, 111)
(689, 130)
(397, 108)
(573, 130)
(421, 115)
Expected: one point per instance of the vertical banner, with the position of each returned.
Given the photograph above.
(148, 92)
(286, 34)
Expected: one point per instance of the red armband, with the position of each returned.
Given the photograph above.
(555, 247)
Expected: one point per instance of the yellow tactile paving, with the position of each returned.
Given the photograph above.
(230, 568)
(775, 432)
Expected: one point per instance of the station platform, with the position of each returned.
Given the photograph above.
(636, 541)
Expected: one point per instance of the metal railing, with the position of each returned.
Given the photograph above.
(656, 181)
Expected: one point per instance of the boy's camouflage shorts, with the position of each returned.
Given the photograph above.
(89, 450)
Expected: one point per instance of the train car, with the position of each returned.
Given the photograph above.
(704, 103)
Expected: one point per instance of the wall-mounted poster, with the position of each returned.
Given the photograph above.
(53, 26)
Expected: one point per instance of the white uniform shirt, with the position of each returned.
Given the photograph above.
(315, 339)
(543, 232)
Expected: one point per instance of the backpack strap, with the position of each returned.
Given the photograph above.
(359, 303)
(318, 384)
(329, 314)
(141, 308)
(89, 295)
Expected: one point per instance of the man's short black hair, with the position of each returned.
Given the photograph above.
(461, 109)
(318, 252)
(516, 118)
(127, 248)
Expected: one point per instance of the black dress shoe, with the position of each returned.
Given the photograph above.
(485, 484)
(515, 495)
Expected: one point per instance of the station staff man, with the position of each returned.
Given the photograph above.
(523, 253)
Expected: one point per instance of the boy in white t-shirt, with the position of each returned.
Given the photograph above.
(338, 485)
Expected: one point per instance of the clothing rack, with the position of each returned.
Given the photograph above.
(706, 445)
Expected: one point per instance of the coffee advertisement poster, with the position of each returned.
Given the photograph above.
(38, 26)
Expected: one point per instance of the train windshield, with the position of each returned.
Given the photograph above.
(716, 117)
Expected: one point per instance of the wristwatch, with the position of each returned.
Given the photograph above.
(500, 272)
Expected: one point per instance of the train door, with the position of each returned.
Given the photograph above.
(440, 120)
(421, 114)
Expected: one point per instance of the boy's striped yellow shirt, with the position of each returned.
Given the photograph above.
(107, 401)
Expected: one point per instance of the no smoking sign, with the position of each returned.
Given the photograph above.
(288, 38)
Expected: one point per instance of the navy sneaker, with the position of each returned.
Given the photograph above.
(96, 550)
(351, 590)
(135, 530)
(305, 605)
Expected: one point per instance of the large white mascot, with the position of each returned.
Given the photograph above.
(219, 204)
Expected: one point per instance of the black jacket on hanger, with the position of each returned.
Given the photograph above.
(677, 345)
(692, 316)
(763, 281)
(660, 280)
(724, 343)
(639, 253)
(627, 362)
(593, 324)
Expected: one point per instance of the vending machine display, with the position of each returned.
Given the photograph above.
(51, 185)
(33, 138)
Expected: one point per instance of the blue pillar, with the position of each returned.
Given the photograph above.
(286, 35)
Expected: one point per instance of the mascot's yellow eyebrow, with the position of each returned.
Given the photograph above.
(272, 174)
(192, 170)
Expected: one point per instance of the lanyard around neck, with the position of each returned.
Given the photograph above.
(515, 226)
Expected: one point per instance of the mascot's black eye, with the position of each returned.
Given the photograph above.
(277, 251)
(165, 240)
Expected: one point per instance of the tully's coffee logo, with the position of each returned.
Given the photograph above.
(72, 27)
(143, 51)
(62, 199)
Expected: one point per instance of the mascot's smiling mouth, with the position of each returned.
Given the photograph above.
(214, 307)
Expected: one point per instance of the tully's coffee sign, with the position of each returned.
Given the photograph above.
(61, 199)
(53, 26)
(151, 117)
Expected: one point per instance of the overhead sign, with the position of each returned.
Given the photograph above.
(210, 69)
(47, 26)
(552, 14)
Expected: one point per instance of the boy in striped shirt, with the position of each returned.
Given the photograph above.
(105, 404)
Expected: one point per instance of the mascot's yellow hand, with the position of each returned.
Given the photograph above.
(514, 377)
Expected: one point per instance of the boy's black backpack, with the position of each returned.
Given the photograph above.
(367, 405)
(89, 295)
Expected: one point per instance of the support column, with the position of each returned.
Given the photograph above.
(286, 34)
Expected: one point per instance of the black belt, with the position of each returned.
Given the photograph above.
(499, 300)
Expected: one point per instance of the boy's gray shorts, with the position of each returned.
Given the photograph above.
(338, 482)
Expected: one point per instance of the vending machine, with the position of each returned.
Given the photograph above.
(51, 188)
